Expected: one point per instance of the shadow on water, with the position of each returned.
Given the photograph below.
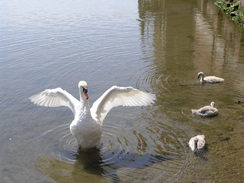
(202, 153)
(82, 164)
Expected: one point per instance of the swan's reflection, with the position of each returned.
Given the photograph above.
(94, 166)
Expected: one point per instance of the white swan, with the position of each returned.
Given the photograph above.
(206, 111)
(197, 142)
(209, 79)
(87, 123)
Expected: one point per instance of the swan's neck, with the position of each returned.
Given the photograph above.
(81, 96)
(83, 111)
(195, 144)
(83, 100)
(86, 104)
(201, 78)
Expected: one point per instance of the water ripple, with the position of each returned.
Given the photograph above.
(157, 148)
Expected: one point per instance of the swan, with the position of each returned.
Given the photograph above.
(197, 143)
(206, 111)
(209, 79)
(86, 126)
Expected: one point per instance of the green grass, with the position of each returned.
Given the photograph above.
(233, 10)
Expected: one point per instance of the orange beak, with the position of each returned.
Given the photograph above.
(86, 96)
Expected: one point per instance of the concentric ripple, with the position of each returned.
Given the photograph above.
(151, 148)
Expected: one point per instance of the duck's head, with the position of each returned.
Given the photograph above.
(212, 104)
(83, 86)
(200, 75)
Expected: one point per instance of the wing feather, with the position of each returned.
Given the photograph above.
(213, 79)
(119, 96)
(55, 98)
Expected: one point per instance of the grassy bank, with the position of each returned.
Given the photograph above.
(234, 9)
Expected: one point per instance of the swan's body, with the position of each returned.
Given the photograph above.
(87, 124)
(206, 111)
(197, 142)
(209, 79)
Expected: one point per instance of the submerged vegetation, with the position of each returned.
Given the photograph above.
(234, 9)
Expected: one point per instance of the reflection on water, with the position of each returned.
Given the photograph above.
(118, 155)
(183, 39)
(93, 162)
(155, 45)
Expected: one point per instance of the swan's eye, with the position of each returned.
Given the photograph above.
(85, 90)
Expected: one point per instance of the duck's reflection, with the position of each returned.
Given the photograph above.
(91, 165)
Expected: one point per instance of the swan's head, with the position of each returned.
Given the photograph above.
(193, 143)
(196, 143)
(200, 75)
(212, 104)
(83, 86)
(194, 149)
(199, 142)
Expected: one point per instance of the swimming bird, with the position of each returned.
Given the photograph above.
(86, 126)
(197, 143)
(209, 79)
(206, 111)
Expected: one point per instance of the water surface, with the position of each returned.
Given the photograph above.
(154, 45)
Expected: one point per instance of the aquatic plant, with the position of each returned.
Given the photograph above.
(233, 8)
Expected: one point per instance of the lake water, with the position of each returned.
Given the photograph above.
(154, 45)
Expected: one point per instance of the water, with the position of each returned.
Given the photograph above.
(157, 46)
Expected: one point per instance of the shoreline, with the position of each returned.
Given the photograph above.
(234, 9)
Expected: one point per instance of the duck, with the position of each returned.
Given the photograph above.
(209, 79)
(87, 124)
(206, 111)
(197, 142)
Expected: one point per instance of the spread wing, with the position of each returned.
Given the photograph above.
(119, 96)
(55, 98)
